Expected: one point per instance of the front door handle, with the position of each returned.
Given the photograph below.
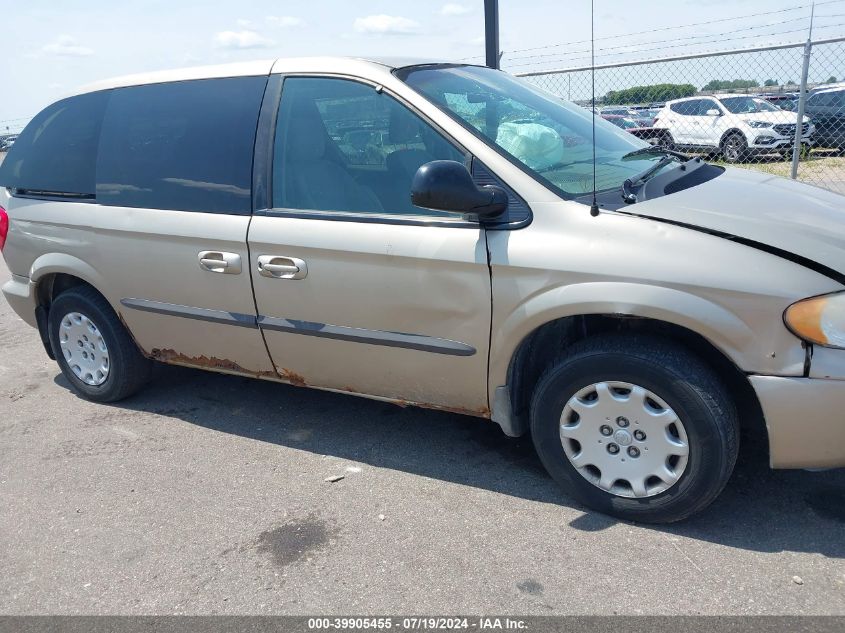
(220, 262)
(278, 267)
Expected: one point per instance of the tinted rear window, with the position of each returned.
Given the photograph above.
(183, 146)
(57, 152)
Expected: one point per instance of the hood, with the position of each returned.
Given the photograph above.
(767, 212)
(776, 118)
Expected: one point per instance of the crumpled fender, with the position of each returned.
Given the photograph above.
(721, 327)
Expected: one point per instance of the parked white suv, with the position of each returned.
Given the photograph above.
(738, 126)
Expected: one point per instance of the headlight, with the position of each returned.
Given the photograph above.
(819, 320)
(760, 124)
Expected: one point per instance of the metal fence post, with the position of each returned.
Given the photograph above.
(802, 100)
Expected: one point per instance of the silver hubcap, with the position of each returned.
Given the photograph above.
(732, 148)
(84, 348)
(624, 439)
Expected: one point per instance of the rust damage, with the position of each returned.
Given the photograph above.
(292, 377)
(480, 412)
(177, 358)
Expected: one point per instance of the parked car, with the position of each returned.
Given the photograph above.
(630, 125)
(646, 116)
(737, 126)
(7, 142)
(625, 122)
(618, 111)
(826, 108)
(633, 329)
(783, 100)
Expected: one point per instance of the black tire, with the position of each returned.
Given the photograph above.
(128, 369)
(734, 148)
(666, 140)
(682, 381)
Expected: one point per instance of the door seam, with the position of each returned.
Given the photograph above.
(255, 300)
(490, 320)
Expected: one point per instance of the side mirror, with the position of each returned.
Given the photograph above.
(446, 185)
(713, 112)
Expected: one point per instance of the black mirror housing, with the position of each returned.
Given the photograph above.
(446, 185)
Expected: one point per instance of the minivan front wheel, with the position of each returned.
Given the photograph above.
(635, 427)
(92, 347)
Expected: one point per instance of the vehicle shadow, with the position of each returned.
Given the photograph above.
(760, 510)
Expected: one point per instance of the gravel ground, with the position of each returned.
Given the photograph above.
(208, 494)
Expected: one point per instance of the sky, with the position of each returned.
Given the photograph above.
(50, 47)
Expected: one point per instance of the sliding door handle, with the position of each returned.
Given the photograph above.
(278, 267)
(220, 262)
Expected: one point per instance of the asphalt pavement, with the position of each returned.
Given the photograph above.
(208, 494)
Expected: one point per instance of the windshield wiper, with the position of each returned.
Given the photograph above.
(654, 149)
(628, 193)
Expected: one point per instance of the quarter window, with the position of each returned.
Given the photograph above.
(344, 146)
(57, 152)
(684, 107)
(183, 145)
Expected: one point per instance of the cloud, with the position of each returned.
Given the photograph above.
(244, 23)
(284, 21)
(452, 9)
(66, 46)
(242, 40)
(385, 25)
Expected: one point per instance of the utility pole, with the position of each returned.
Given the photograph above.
(491, 32)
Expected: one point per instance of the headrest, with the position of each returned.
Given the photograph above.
(404, 126)
(306, 137)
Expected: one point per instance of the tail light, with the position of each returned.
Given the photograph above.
(4, 227)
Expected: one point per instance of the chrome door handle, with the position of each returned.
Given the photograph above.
(220, 262)
(278, 267)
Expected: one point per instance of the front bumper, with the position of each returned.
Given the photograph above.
(20, 293)
(766, 140)
(806, 420)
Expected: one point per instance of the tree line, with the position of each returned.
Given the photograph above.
(665, 92)
(649, 94)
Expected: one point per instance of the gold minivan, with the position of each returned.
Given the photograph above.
(438, 235)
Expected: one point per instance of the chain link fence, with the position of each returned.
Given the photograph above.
(778, 109)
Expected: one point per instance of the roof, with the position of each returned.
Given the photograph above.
(833, 88)
(352, 65)
(724, 95)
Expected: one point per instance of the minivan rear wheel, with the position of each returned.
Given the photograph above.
(635, 427)
(93, 348)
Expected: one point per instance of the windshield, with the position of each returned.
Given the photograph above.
(539, 131)
(746, 105)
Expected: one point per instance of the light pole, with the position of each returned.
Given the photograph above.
(491, 32)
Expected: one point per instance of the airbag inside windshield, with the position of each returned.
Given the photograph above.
(536, 145)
